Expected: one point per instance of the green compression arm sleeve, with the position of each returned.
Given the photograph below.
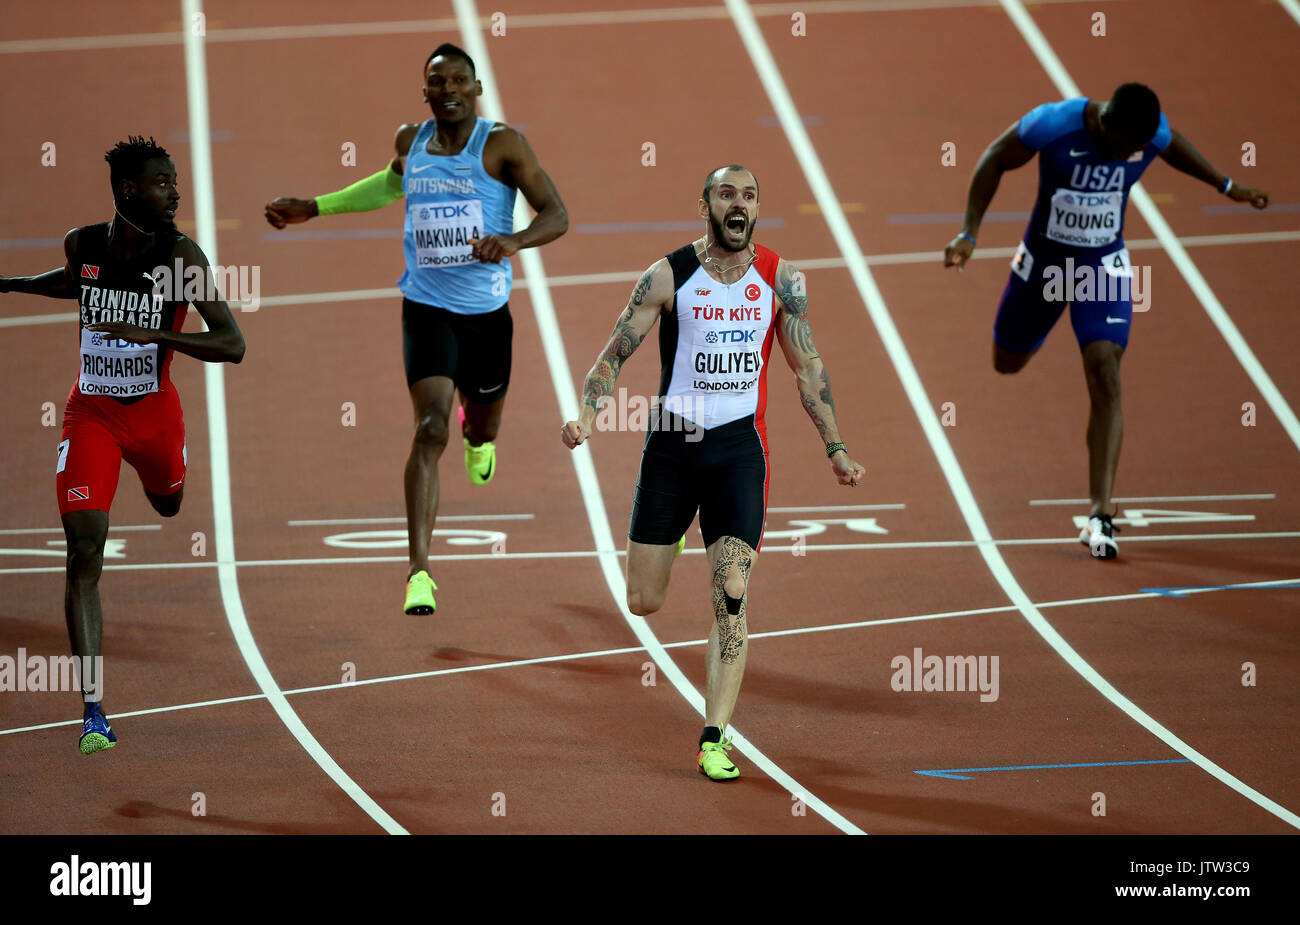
(374, 192)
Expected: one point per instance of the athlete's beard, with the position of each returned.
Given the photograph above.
(720, 234)
(149, 222)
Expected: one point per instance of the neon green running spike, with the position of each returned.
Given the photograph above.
(714, 763)
(480, 462)
(419, 594)
(681, 546)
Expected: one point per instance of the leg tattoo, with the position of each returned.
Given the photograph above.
(730, 611)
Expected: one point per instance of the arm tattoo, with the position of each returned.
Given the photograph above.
(819, 404)
(815, 390)
(643, 287)
(731, 627)
(794, 296)
(622, 344)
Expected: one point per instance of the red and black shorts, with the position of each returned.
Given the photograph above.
(99, 432)
(721, 472)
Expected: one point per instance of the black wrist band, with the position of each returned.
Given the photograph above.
(833, 448)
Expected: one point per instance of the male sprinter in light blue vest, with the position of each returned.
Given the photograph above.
(459, 174)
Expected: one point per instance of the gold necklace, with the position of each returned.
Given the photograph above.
(708, 259)
(147, 234)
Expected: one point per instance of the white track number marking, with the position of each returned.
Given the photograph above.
(397, 539)
(1147, 516)
(814, 527)
(63, 457)
(113, 549)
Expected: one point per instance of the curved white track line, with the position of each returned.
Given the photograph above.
(196, 89)
(924, 409)
(562, 380)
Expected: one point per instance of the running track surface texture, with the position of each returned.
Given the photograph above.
(532, 701)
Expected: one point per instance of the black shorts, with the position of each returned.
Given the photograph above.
(724, 476)
(471, 350)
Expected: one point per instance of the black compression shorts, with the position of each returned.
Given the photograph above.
(724, 476)
(471, 350)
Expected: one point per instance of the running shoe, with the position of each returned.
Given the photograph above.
(681, 546)
(419, 594)
(96, 733)
(480, 462)
(1099, 536)
(714, 763)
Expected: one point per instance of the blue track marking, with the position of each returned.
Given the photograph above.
(962, 773)
(1182, 592)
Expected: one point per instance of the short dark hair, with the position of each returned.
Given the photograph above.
(710, 181)
(451, 51)
(1135, 111)
(126, 159)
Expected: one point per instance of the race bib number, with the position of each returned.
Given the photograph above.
(1118, 264)
(1022, 264)
(116, 367)
(726, 360)
(443, 230)
(1084, 219)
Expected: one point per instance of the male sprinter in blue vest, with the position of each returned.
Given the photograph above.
(459, 174)
(1092, 152)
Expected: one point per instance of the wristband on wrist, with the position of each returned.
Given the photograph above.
(833, 448)
(1227, 186)
(967, 237)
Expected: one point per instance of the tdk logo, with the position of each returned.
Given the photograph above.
(458, 210)
(729, 337)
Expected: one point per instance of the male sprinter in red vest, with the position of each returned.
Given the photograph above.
(721, 301)
(459, 174)
(123, 404)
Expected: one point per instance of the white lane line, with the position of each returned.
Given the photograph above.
(196, 91)
(1066, 86)
(402, 520)
(1261, 497)
(820, 184)
(593, 502)
(1292, 7)
(516, 21)
(592, 553)
(28, 531)
(837, 507)
(626, 650)
(631, 276)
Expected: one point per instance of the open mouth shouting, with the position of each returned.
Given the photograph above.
(736, 225)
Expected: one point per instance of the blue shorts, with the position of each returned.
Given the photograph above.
(1097, 289)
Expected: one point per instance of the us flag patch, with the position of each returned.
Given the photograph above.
(79, 494)
(89, 271)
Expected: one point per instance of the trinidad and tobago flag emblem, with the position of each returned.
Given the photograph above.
(89, 271)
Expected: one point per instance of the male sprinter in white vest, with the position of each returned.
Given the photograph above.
(459, 174)
(721, 300)
(1091, 152)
